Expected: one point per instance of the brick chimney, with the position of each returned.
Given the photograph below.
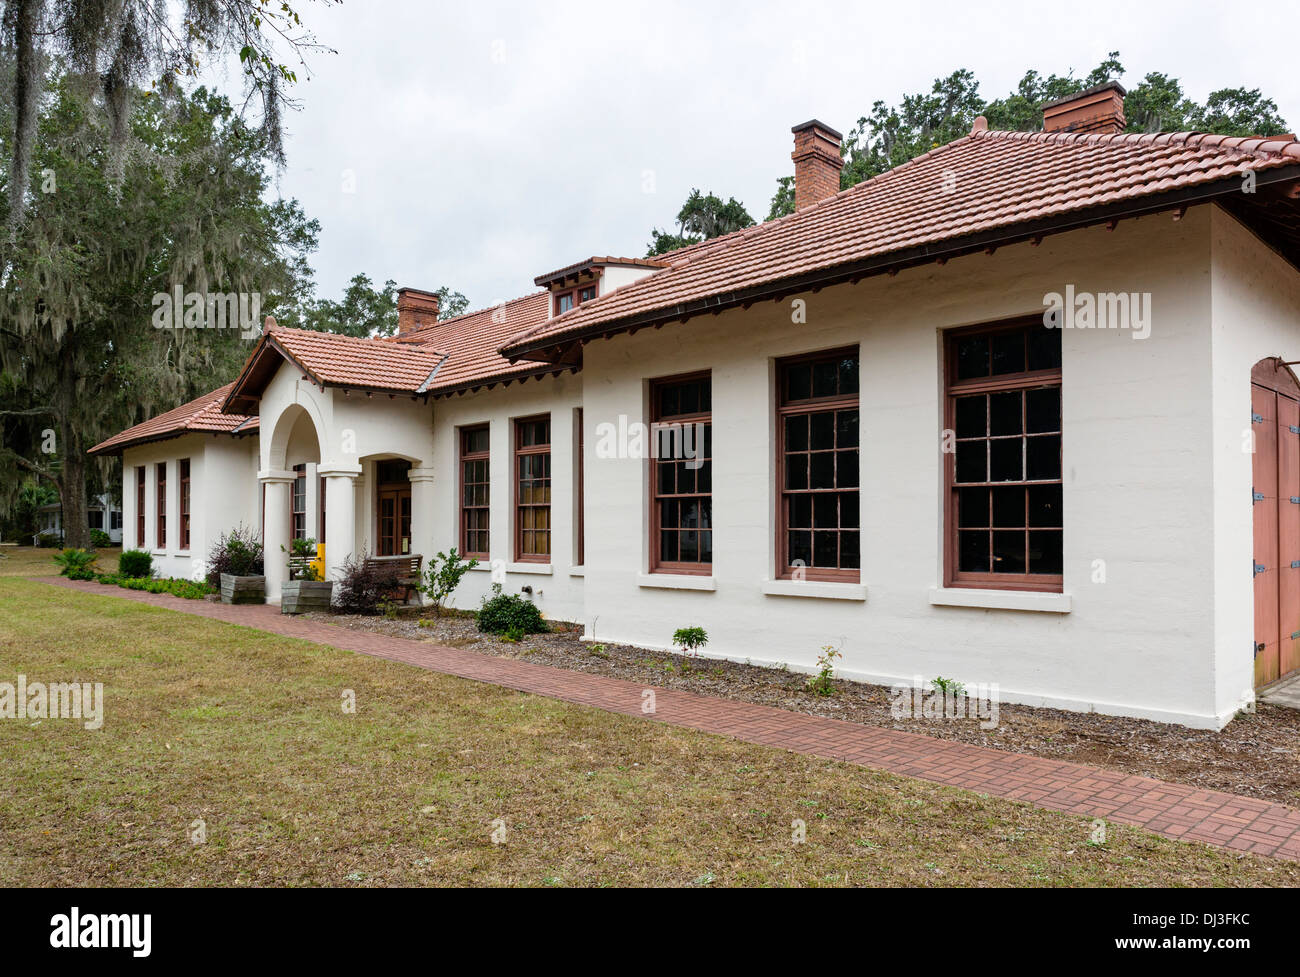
(415, 308)
(817, 163)
(1097, 109)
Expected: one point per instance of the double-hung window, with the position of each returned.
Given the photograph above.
(681, 475)
(185, 503)
(139, 507)
(298, 502)
(817, 467)
(475, 508)
(1004, 517)
(533, 489)
(161, 476)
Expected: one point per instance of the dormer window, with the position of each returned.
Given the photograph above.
(564, 301)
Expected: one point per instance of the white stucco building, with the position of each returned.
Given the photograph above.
(874, 441)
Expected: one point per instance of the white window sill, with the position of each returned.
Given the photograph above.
(823, 589)
(675, 581)
(577, 571)
(1008, 600)
(541, 569)
(483, 566)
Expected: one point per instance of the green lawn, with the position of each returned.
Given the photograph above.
(245, 731)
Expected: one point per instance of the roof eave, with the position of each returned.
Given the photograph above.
(897, 260)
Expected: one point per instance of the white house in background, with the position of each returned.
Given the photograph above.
(102, 513)
(897, 454)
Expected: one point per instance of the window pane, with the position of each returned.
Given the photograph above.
(800, 511)
(822, 431)
(796, 433)
(972, 461)
(826, 514)
(1008, 352)
(1045, 552)
(664, 471)
(826, 549)
(1004, 413)
(798, 382)
(1044, 348)
(846, 429)
(1008, 507)
(800, 544)
(706, 547)
(822, 470)
(796, 472)
(1043, 410)
(1044, 457)
(846, 469)
(1045, 505)
(668, 514)
(848, 369)
(849, 505)
(971, 421)
(972, 358)
(973, 552)
(1005, 460)
(689, 546)
(850, 558)
(825, 382)
(972, 507)
(668, 545)
(1009, 552)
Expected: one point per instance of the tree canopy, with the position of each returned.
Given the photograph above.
(364, 310)
(890, 135)
(703, 216)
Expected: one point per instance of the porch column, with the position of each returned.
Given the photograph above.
(422, 513)
(276, 530)
(340, 516)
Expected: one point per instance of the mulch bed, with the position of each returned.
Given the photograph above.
(1255, 755)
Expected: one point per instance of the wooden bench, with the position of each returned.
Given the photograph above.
(298, 567)
(407, 567)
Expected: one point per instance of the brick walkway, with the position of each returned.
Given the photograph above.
(1173, 810)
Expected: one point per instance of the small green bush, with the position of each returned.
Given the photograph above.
(442, 576)
(100, 539)
(690, 640)
(238, 553)
(135, 563)
(77, 564)
(510, 614)
(178, 587)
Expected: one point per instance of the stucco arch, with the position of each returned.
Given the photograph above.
(297, 435)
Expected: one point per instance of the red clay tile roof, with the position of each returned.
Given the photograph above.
(974, 188)
(331, 360)
(472, 342)
(201, 415)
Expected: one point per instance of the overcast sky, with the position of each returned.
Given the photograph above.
(480, 144)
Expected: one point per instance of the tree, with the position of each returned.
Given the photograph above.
(364, 309)
(702, 217)
(891, 135)
(81, 356)
(115, 50)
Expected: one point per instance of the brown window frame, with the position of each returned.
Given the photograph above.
(140, 475)
(320, 515)
(468, 457)
(296, 514)
(787, 407)
(184, 503)
(576, 292)
(520, 453)
(580, 516)
(160, 528)
(657, 563)
(1021, 381)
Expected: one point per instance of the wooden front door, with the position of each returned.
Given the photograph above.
(1275, 497)
(394, 515)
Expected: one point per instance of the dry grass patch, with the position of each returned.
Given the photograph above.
(245, 731)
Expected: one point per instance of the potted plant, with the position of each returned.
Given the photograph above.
(306, 589)
(235, 565)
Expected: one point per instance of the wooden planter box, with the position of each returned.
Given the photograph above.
(243, 590)
(300, 596)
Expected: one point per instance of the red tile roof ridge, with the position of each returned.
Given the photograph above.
(1247, 145)
(338, 337)
(433, 326)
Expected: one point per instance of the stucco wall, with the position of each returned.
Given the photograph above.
(1256, 313)
(223, 494)
(557, 586)
(1137, 481)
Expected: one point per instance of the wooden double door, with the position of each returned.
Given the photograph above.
(1275, 500)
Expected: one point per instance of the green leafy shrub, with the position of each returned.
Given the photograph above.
(135, 563)
(100, 539)
(442, 576)
(176, 586)
(823, 682)
(77, 564)
(362, 589)
(238, 553)
(948, 686)
(690, 640)
(510, 613)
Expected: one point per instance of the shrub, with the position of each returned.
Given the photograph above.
(179, 587)
(822, 683)
(135, 563)
(362, 588)
(100, 539)
(77, 564)
(238, 553)
(948, 686)
(442, 576)
(510, 614)
(689, 640)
